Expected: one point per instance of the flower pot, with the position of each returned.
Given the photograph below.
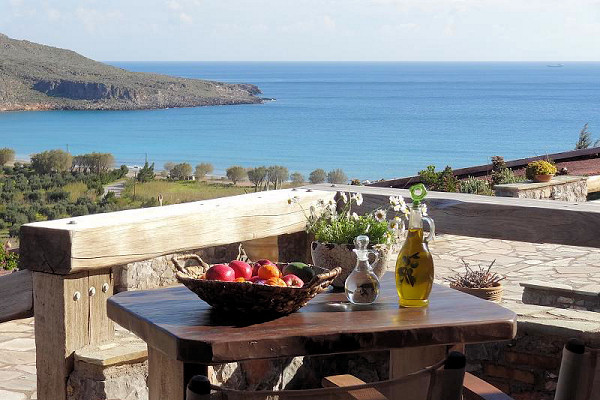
(330, 255)
(543, 178)
(493, 293)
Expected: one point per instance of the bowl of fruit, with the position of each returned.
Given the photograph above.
(257, 287)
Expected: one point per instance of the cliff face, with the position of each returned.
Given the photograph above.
(38, 77)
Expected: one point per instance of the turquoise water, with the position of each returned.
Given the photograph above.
(374, 120)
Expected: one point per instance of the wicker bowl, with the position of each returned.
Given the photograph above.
(247, 297)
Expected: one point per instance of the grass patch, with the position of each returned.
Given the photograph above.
(182, 191)
(77, 190)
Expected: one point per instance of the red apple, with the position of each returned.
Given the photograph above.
(293, 281)
(241, 269)
(220, 272)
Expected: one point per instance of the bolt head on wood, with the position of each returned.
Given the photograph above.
(76, 296)
(92, 291)
(105, 287)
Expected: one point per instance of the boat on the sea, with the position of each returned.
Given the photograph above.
(555, 65)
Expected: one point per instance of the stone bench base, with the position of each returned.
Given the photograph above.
(113, 370)
(562, 296)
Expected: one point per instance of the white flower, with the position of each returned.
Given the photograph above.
(380, 215)
(343, 197)
(357, 197)
(393, 224)
(321, 202)
(424, 209)
(355, 216)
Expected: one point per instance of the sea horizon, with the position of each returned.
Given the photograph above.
(373, 119)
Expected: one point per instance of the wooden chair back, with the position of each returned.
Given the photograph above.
(443, 381)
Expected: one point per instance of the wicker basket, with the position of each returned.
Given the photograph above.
(492, 293)
(247, 297)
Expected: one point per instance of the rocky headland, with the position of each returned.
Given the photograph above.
(38, 77)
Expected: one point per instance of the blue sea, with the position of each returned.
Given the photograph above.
(373, 120)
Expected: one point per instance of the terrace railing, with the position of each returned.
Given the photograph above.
(72, 259)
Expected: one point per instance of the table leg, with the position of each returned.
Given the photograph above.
(165, 377)
(406, 361)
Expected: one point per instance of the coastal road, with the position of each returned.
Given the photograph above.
(115, 187)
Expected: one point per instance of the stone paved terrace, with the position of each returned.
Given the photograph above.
(575, 266)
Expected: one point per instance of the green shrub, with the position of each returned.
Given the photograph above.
(8, 260)
(539, 167)
(507, 176)
(443, 181)
(476, 186)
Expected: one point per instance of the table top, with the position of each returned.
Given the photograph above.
(183, 327)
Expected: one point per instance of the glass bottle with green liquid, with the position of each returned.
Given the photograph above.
(414, 267)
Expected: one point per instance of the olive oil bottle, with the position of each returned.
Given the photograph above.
(414, 267)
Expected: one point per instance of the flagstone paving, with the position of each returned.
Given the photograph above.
(578, 267)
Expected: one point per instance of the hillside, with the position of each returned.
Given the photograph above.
(38, 77)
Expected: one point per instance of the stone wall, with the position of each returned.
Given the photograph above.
(160, 271)
(563, 188)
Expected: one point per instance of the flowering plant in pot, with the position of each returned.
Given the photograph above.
(540, 171)
(481, 282)
(334, 226)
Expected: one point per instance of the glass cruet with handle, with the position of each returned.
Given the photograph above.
(362, 285)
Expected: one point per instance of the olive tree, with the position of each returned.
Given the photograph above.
(337, 176)
(181, 171)
(236, 173)
(297, 178)
(168, 166)
(6, 155)
(277, 175)
(317, 176)
(203, 169)
(258, 176)
(51, 161)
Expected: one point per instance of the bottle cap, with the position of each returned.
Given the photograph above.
(360, 244)
(417, 193)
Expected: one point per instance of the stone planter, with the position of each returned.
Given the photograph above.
(492, 293)
(329, 255)
(6, 272)
(543, 178)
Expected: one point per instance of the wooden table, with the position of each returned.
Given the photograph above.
(184, 334)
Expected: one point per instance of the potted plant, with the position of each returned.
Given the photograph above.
(334, 226)
(481, 282)
(540, 171)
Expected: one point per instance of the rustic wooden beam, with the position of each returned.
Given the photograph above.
(535, 221)
(70, 245)
(68, 316)
(16, 296)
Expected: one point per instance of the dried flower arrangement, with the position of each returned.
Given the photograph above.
(476, 279)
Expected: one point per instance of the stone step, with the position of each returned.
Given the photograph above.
(113, 370)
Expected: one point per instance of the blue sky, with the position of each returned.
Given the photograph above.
(324, 30)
